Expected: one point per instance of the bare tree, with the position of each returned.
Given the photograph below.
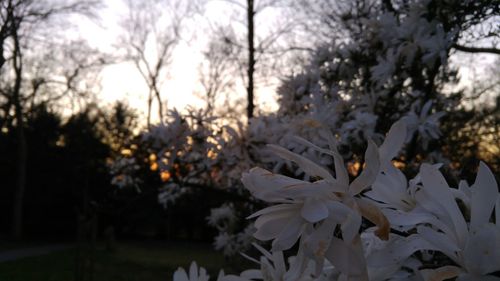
(151, 33)
(216, 71)
(73, 84)
(21, 24)
(261, 48)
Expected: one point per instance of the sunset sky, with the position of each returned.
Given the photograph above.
(123, 81)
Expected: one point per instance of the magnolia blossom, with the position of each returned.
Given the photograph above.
(234, 243)
(222, 217)
(124, 172)
(312, 210)
(423, 210)
(426, 124)
(200, 274)
(473, 246)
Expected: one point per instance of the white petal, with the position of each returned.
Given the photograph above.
(340, 170)
(193, 272)
(375, 215)
(251, 274)
(348, 258)
(484, 195)
(390, 187)
(314, 210)
(305, 164)
(275, 208)
(180, 275)
(393, 141)
(349, 220)
(318, 189)
(350, 227)
(425, 109)
(442, 273)
(271, 225)
(436, 186)
(263, 251)
(233, 278)
(397, 250)
(289, 235)
(312, 145)
(482, 252)
(370, 171)
(464, 187)
(203, 275)
(316, 244)
(265, 185)
(440, 242)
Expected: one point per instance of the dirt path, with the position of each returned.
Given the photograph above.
(11, 255)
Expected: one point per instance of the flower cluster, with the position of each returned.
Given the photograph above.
(378, 226)
(123, 172)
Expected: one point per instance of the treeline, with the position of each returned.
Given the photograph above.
(68, 177)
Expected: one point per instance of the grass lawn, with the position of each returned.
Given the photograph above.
(145, 261)
(11, 245)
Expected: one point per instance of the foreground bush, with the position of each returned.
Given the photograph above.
(380, 226)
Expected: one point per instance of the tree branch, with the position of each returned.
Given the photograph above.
(476, 49)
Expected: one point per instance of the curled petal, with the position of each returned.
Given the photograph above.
(375, 215)
(265, 185)
(305, 164)
(393, 142)
(484, 195)
(441, 274)
(369, 173)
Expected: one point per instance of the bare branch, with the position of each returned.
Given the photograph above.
(476, 49)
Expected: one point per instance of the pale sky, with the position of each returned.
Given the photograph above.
(124, 82)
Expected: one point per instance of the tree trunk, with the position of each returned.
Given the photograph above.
(150, 103)
(251, 59)
(17, 214)
(158, 98)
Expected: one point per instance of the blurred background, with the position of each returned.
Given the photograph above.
(125, 125)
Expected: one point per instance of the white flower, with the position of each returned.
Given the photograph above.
(273, 267)
(195, 274)
(474, 247)
(426, 124)
(313, 209)
(124, 172)
(169, 193)
(360, 128)
(222, 217)
(200, 274)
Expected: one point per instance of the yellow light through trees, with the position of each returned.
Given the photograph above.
(152, 157)
(153, 166)
(398, 164)
(126, 152)
(211, 154)
(165, 176)
(353, 168)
